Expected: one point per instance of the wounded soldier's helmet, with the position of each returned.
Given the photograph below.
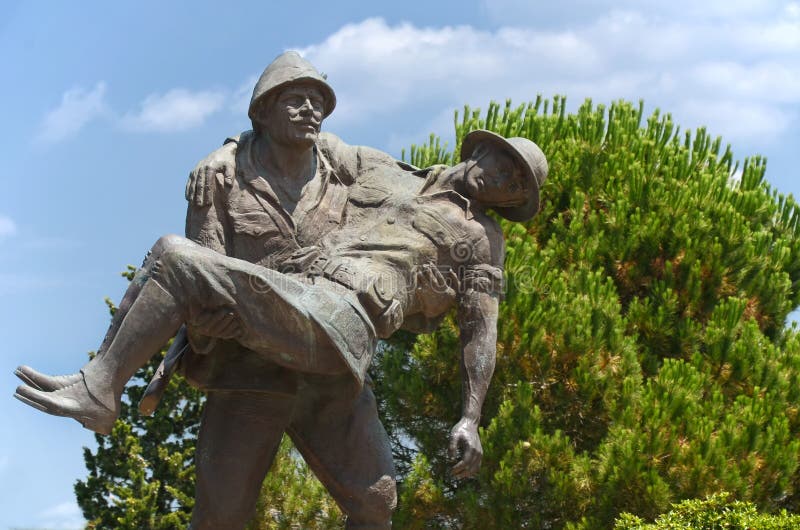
(527, 155)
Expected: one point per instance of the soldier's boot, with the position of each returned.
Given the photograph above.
(49, 383)
(93, 399)
(45, 382)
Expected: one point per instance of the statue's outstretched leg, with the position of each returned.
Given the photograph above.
(48, 383)
(93, 397)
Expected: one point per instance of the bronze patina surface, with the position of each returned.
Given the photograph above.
(301, 251)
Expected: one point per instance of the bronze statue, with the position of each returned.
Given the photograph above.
(301, 252)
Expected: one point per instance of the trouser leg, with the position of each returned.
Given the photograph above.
(49, 383)
(152, 320)
(132, 292)
(344, 443)
(239, 437)
(287, 321)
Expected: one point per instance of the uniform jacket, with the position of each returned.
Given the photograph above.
(246, 221)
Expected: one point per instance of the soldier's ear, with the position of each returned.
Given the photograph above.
(260, 117)
(265, 105)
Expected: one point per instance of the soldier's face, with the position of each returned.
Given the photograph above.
(495, 180)
(294, 118)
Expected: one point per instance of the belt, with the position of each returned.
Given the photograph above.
(378, 301)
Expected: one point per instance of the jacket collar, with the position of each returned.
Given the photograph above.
(431, 176)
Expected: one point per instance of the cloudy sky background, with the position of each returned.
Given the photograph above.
(107, 108)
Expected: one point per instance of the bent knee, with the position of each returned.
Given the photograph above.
(169, 242)
(175, 253)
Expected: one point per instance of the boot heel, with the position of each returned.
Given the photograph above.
(98, 426)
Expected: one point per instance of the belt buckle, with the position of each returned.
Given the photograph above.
(317, 267)
(342, 274)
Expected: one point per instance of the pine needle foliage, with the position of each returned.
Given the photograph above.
(643, 352)
(718, 512)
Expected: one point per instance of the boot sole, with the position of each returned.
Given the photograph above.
(88, 423)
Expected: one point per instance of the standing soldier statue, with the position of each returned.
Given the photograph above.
(300, 252)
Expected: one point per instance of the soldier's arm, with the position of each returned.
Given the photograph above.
(480, 291)
(477, 321)
(353, 163)
(204, 227)
(207, 225)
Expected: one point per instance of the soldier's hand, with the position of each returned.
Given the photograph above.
(464, 440)
(437, 289)
(216, 166)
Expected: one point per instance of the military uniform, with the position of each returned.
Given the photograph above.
(378, 228)
(247, 221)
(325, 407)
(357, 282)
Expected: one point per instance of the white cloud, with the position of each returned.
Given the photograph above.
(698, 61)
(760, 81)
(78, 107)
(63, 516)
(525, 12)
(8, 227)
(736, 70)
(175, 110)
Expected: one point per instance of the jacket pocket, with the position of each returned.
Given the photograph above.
(369, 195)
(253, 223)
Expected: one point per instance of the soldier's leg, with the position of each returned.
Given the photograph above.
(344, 443)
(238, 439)
(164, 243)
(285, 320)
(92, 396)
(49, 383)
(185, 282)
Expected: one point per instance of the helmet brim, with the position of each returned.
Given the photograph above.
(328, 96)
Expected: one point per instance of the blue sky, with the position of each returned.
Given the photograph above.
(106, 108)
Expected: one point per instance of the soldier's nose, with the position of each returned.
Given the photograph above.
(307, 106)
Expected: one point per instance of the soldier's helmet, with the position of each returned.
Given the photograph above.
(528, 157)
(287, 69)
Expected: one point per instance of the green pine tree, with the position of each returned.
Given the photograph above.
(716, 512)
(293, 499)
